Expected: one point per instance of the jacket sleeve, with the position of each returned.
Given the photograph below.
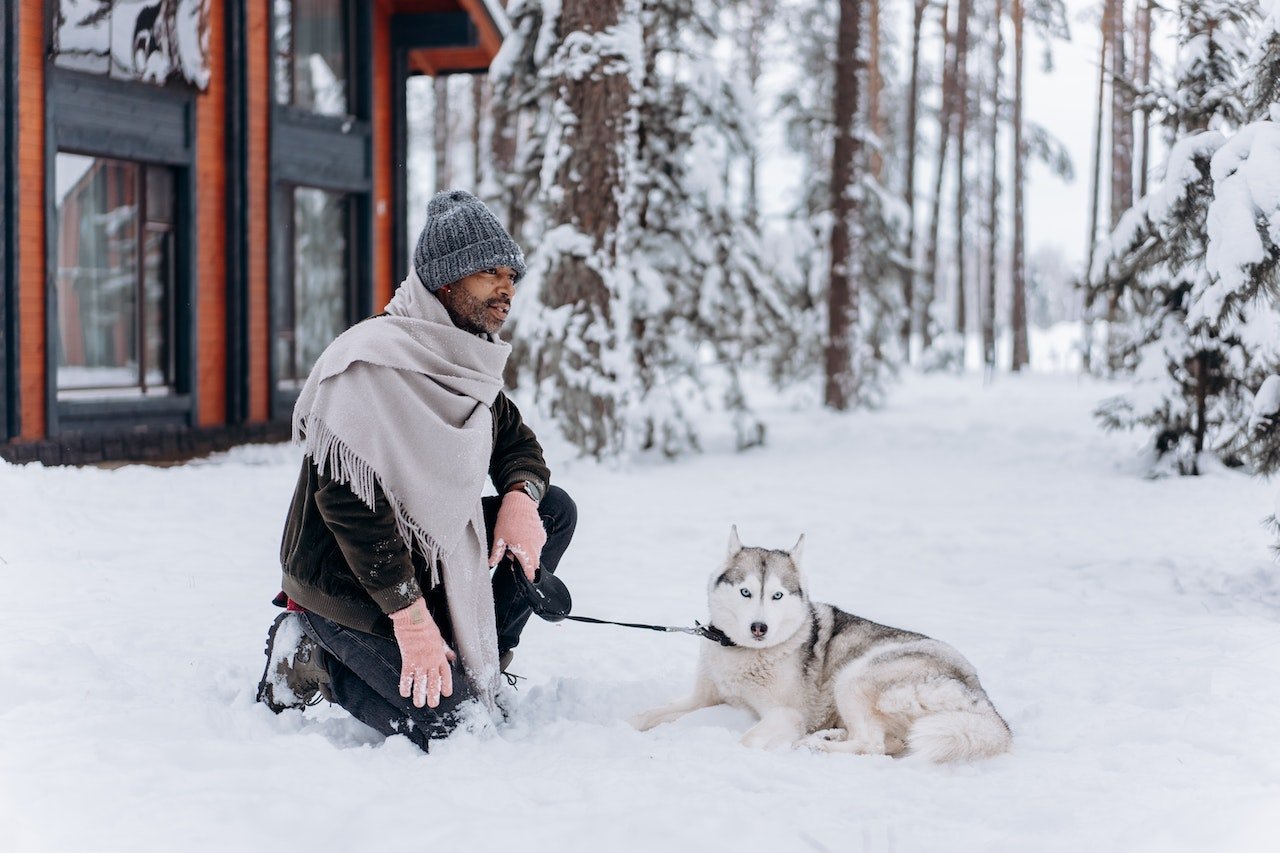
(378, 557)
(517, 455)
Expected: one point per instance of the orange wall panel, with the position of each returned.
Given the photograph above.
(30, 51)
(211, 219)
(258, 156)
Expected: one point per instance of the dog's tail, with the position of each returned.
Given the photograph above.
(959, 735)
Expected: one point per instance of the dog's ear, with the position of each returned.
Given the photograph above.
(735, 544)
(797, 550)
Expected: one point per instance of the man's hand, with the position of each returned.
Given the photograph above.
(518, 530)
(424, 657)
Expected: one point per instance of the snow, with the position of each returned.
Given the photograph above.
(1266, 403)
(1246, 176)
(1128, 629)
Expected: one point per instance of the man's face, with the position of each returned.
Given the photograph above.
(480, 302)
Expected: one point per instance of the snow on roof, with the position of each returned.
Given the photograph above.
(499, 16)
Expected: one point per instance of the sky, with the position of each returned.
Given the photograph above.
(1064, 102)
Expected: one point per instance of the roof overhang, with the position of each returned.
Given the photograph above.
(448, 36)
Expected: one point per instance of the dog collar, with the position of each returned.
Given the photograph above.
(711, 632)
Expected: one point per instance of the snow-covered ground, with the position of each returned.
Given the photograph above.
(1128, 629)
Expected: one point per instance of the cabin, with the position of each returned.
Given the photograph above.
(198, 195)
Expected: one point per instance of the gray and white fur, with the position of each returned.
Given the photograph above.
(822, 678)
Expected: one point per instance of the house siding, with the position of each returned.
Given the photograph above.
(32, 296)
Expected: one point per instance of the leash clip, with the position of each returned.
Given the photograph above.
(711, 632)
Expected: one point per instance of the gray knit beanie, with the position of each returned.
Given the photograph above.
(462, 237)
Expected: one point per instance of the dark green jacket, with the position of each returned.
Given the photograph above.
(346, 562)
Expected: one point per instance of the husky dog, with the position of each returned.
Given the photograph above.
(822, 678)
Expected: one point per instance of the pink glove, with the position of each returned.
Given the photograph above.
(518, 530)
(424, 657)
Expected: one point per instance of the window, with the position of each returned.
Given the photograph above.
(315, 303)
(115, 277)
(312, 39)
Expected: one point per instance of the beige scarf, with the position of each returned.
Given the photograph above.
(403, 402)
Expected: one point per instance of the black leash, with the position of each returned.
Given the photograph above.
(710, 632)
(549, 598)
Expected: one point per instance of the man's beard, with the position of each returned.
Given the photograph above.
(472, 314)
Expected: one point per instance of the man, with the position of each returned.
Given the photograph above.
(388, 543)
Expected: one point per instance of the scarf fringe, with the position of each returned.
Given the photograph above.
(331, 454)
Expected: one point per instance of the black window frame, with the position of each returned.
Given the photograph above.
(144, 225)
(285, 309)
(333, 153)
(83, 116)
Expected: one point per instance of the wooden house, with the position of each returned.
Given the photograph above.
(197, 196)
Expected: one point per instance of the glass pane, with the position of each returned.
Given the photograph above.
(157, 279)
(320, 270)
(96, 271)
(319, 36)
(160, 196)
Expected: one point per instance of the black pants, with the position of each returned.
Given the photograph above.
(365, 668)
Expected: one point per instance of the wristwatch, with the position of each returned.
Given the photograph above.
(532, 488)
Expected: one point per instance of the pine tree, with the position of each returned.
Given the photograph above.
(1189, 261)
(1121, 116)
(949, 102)
(992, 225)
(1049, 19)
(1018, 311)
(876, 235)
(650, 290)
(842, 380)
(1261, 295)
(704, 307)
(910, 270)
(521, 107)
(441, 135)
(577, 348)
(963, 108)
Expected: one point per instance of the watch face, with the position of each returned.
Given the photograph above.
(533, 490)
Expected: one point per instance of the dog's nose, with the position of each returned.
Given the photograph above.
(759, 629)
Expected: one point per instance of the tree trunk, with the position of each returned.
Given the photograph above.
(590, 179)
(842, 296)
(993, 200)
(1095, 190)
(913, 112)
(440, 134)
(1121, 118)
(479, 108)
(1142, 63)
(875, 88)
(1018, 321)
(935, 214)
(759, 13)
(962, 184)
(503, 145)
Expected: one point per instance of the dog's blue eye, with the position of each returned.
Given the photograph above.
(777, 595)
(746, 593)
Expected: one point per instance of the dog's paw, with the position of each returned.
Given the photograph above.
(821, 741)
(768, 738)
(649, 719)
(855, 746)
